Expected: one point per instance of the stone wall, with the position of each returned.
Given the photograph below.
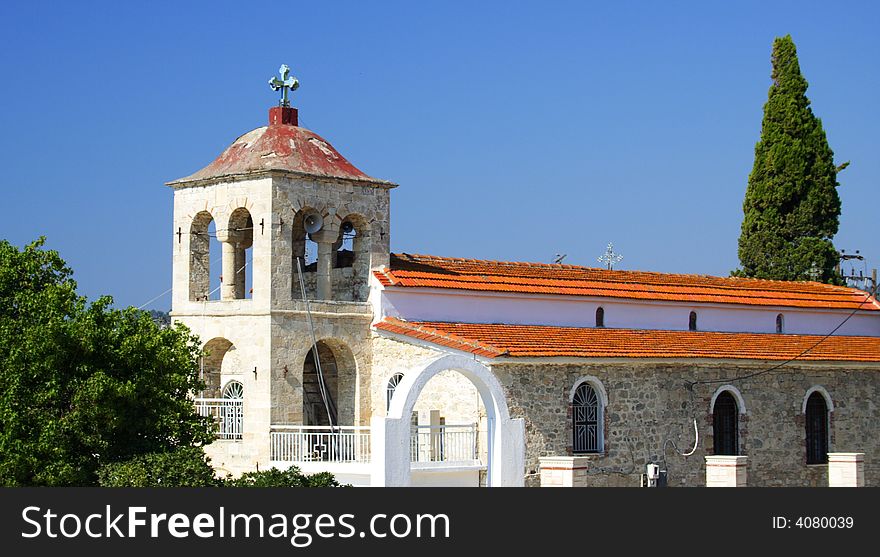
(344, 329)
(649, 405)
(248, 350)
(366, 206)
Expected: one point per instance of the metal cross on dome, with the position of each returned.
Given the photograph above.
(285, 84)
(609, 258)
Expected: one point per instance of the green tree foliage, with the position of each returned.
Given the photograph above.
(84, 385)
(292, 477)
(791, 205)
(189, 467)
(182, 467)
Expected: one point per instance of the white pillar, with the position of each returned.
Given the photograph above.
(846, 469)
(389, 448)
(726, 471)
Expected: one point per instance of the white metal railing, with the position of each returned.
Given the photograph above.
(444, 443)
(226, 412)
(308, 443)
(305, 443)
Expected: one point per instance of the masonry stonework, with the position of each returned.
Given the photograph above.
(650, 403)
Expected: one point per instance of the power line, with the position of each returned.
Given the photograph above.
(691, 384)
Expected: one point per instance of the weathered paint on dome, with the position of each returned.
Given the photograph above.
(280, 147)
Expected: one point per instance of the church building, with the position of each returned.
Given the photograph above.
(325, 350)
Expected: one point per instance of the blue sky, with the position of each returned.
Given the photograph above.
(515, 130)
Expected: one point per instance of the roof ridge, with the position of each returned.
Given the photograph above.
(744, 282)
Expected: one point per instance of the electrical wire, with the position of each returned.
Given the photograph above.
(321, 385)
(142, 306)
(868, 296)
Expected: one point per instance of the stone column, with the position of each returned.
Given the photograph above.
(227, 241)
(240, 280)
(325, 238)
(726, 471)
(325, 266)
(846, 469)
(564, 471)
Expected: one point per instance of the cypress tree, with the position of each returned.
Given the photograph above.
(791, 206)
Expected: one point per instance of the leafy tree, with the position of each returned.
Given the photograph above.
(292, 477)
(182, 467)
(791, 205)
(84, 385)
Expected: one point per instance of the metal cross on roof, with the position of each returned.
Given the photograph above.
(609, 258)
(285, 84)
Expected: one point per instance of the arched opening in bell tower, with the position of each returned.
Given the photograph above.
(204, 249)
(304, 253)
(238, 255)
(351, 259)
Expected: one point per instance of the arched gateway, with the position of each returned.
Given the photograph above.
(391, 436)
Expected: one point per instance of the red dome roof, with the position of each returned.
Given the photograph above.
(283, 147)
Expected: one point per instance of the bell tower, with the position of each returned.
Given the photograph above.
(287, 330)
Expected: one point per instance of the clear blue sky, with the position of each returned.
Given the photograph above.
(515, 130)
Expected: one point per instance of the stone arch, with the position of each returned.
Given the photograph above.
(817, 412)
(200, 257)
(595, 383)
(210, 366)
(304, 254)
(822, 391)
(740, 401)
(391, 435)
(299, 239)
(237, 239)
(340, 373)
(359, 238)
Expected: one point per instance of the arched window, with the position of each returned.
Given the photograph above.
(692, 321)
(587, 422)
(201, 230)
(600, 317)
(237, 255)
(392, 385)
(816, 415)
(725, 424)
(231, 411)
(233, 391)
(780, 324)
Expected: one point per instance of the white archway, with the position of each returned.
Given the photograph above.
(391, 435)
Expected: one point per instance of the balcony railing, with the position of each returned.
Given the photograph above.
(302, 443)
(226, 412)
(444, 443)
(306, 443)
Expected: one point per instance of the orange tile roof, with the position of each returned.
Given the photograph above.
(491, 341)
(407, 270)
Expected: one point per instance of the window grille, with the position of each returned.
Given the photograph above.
(817, 429)
(587, 419)
(600, 317)
(725, 425)
(392, 385)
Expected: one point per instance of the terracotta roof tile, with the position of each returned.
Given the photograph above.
(407, 270)
(492, 340)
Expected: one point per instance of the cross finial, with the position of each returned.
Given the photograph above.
(285, 84)
(609, 258)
